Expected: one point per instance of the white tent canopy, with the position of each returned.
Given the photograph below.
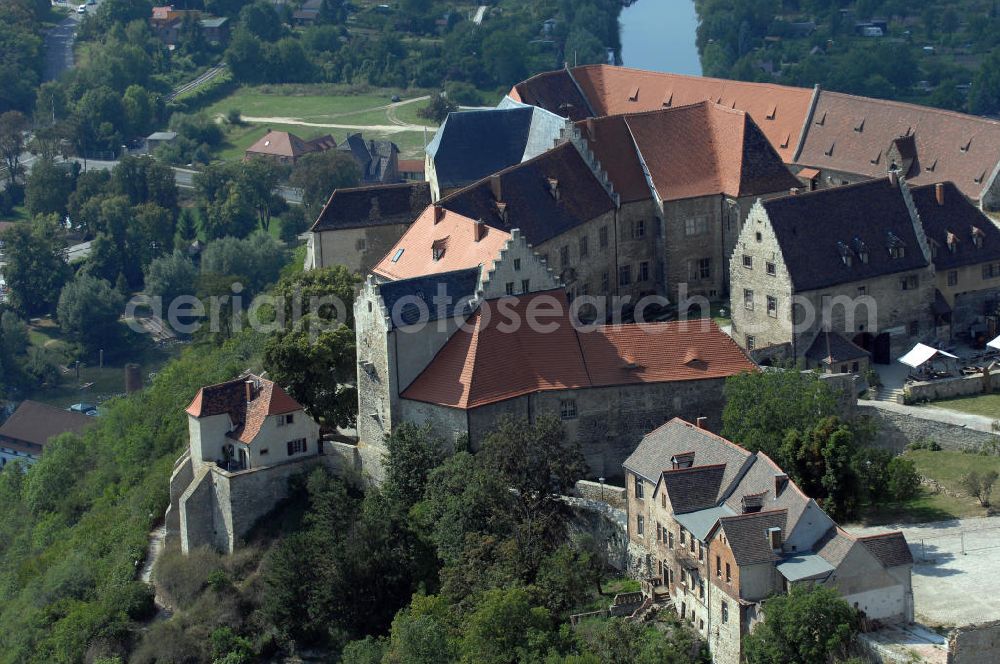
(995, 343)
(921, 354)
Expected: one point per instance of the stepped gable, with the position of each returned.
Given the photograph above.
(854, 134)
(704, 150)
(374, 205)
(487, 361)
(816, 229)
(543, 197)
(441, 241)
(962, 234)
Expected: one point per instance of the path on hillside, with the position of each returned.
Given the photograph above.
(396, 127)
(156, 542)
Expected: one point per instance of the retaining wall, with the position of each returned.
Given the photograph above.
(975, 644)
(894, 431)
(948, 388)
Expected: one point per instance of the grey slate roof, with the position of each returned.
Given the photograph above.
(471, 145)
(813, 228)
(373, 157)
(834, 546)
(676, 436)
(700, 523)
(832, 347)
(759, 480)
(374, 205)
(695, 488)
(891, 549)
(747, 535)
(409, 301)
(957, 216)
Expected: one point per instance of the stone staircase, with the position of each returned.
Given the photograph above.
(893, 395)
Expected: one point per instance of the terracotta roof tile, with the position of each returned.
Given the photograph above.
(285, 144)
(960, 148)
(485, 362)
(414, 256)
(229, 398)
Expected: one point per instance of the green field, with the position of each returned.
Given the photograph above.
(947, 468)
(987, 405)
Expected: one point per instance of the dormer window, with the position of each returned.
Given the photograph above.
(846, 257)
(861, 249)
(897, 249)
(438, 248)
(682, 460)
(977, 237)
(554, 188)
(953, 242)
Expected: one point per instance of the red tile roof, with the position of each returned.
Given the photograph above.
(461, 250)
(229, 398)
(853, 134)
(486, 362)
(285, 144)
(691, 151)
(780, 111)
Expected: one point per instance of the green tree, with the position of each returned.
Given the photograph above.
(171, 276)
(256, 260)
(327, 293)
(903, 479)
(806, 625)
(88, 312)
(48, 188)
(821, 461)
(259, 178)
(980, 485)
(13, 125)
(984, 97)
(762, 406)
(36, 268)
(413, 453)
(505, 628)
(318, 174)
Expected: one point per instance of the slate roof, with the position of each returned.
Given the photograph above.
(695, 488)
(530, 205)
(472, 144)
(486, 362)
(891, 549)
(853, 134)
(652, 456)
(373, 205)
(759, 481)
(413, 255)
(409, 301)
(373, 157)
(230, 398)
(835, 545)
(780, 111)
(832, 348)
(801, 566)
(957, 217)
(747, 535)
(706, 149)
(31, 426)
(814, 228)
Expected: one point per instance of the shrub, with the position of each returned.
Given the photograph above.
(182, 578)
(980, 485)
(234, 117)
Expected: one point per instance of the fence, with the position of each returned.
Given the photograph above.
(962, 542)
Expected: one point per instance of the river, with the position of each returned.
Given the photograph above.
(659, 35)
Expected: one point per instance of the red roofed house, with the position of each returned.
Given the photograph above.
(722, 529)
(483, 359)
(247, 437)
(26, 432)
(287, 148)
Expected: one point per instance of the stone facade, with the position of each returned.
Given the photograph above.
(358, 249)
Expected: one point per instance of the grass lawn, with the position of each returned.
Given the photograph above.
(947, 468)
(310, 103)
(20, 213)
(408, 113)
(987, 405)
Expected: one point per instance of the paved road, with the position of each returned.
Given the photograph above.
(59, 46)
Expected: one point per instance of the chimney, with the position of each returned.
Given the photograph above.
(774, 538)
(893, 178)
(780, 481)
(939, 192)
(702, 423)
(480, 230)
(248, 388)
(438, 213)
(497, 186)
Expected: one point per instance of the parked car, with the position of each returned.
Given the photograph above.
(85, 408)
(82, 9)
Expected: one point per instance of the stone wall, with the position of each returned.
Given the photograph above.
(606, 493)
(975, 644)
(895, 430)
(359, 249)
(952, 387)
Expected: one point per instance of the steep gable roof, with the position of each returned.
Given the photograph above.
(705, 149)
(816, 230)
(759, 481)
(951, 226)
(285, 144)
(652, 454)
(555, 91)
(445, 245)
(230, 398)
(373, 205)
(526, 192)
(695, 488)
(831, 347)
(853, 134)
(890, 549)
(747, 537)
(486, 362)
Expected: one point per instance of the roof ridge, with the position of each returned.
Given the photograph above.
(711, 466)
(918, 107)
(891, 533)
(754, 515)
(470, 357)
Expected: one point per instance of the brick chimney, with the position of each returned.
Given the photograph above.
(939, 193)
(438, 213)
(479, 231)
(702, 423)
(248, 389)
